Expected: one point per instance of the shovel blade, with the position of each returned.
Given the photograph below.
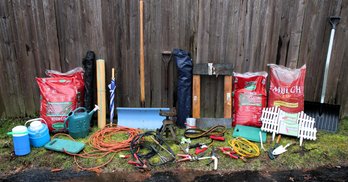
(143, 118)
(326, 115)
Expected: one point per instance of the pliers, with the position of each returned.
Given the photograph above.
(185, 157)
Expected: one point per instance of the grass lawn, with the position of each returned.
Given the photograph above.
(328, 150)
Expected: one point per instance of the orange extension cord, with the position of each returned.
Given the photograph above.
(102, 145)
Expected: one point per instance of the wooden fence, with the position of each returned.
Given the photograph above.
(36, 35)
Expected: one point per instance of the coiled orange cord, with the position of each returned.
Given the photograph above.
(102, 144)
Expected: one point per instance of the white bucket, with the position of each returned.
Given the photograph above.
(190, 123)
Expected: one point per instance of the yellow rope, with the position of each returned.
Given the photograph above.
(244, 148)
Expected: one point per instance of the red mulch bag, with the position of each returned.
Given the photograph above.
(287, 88)
(249, 98)
(77, 75)
(58, 99)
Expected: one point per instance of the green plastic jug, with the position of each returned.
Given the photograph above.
(78, 122)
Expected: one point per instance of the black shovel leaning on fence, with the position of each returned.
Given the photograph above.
(326, 115)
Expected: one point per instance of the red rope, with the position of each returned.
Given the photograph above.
(102, 144)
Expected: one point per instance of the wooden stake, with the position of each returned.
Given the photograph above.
(101, 93)
(196, 96)
(228, 97)
(113, 73)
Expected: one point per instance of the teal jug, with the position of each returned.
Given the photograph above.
(78, 122)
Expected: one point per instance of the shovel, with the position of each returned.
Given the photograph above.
(280, 149)
(166, 57)
(326, 115)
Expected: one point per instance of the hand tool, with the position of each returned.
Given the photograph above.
(280, 149)
(162, 146)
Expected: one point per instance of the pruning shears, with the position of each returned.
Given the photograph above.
(186, 157)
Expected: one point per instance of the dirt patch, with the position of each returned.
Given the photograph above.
(236, 176)
(40, 174)
(320, 174)
(163, 176)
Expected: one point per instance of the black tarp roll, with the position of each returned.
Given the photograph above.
(89, 64)
(184, 88)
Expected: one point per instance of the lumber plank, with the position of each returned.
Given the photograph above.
(227, 96)
(101, 99)
(196, 96)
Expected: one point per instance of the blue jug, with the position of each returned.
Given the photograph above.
(38, 132)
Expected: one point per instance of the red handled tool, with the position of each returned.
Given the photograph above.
(137, 163)
(219, 138)
(124, 156)
(229, 152)
(201, 149)
(184, 157)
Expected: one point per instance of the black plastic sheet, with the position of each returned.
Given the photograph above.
(89, 64)
(184, 88)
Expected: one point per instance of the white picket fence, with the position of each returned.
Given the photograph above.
(271, 122)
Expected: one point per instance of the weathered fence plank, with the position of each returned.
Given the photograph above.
(39, 35)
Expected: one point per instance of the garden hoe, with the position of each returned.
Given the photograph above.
(326, 115)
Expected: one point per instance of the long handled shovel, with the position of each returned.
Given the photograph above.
(142, 66)
(144, 117)
(326, 115)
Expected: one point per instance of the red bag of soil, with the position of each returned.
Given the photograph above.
(287, 88)
(77, 75)
(58, 99)
(249, 98)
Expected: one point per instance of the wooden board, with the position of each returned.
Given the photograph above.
(228, 97)
(101, 93)
(196, 96)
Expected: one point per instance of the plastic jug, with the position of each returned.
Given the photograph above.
(38, 132)
(20, 138)
(190, 123)
(78, 123)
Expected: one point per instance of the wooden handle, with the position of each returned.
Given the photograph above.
(278, 139)
(142, 68)
(113, 73)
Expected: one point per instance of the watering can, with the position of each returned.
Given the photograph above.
(78, 122)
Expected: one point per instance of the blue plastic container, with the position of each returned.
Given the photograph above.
(21, 142)
(38, 132)
(144, 118)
